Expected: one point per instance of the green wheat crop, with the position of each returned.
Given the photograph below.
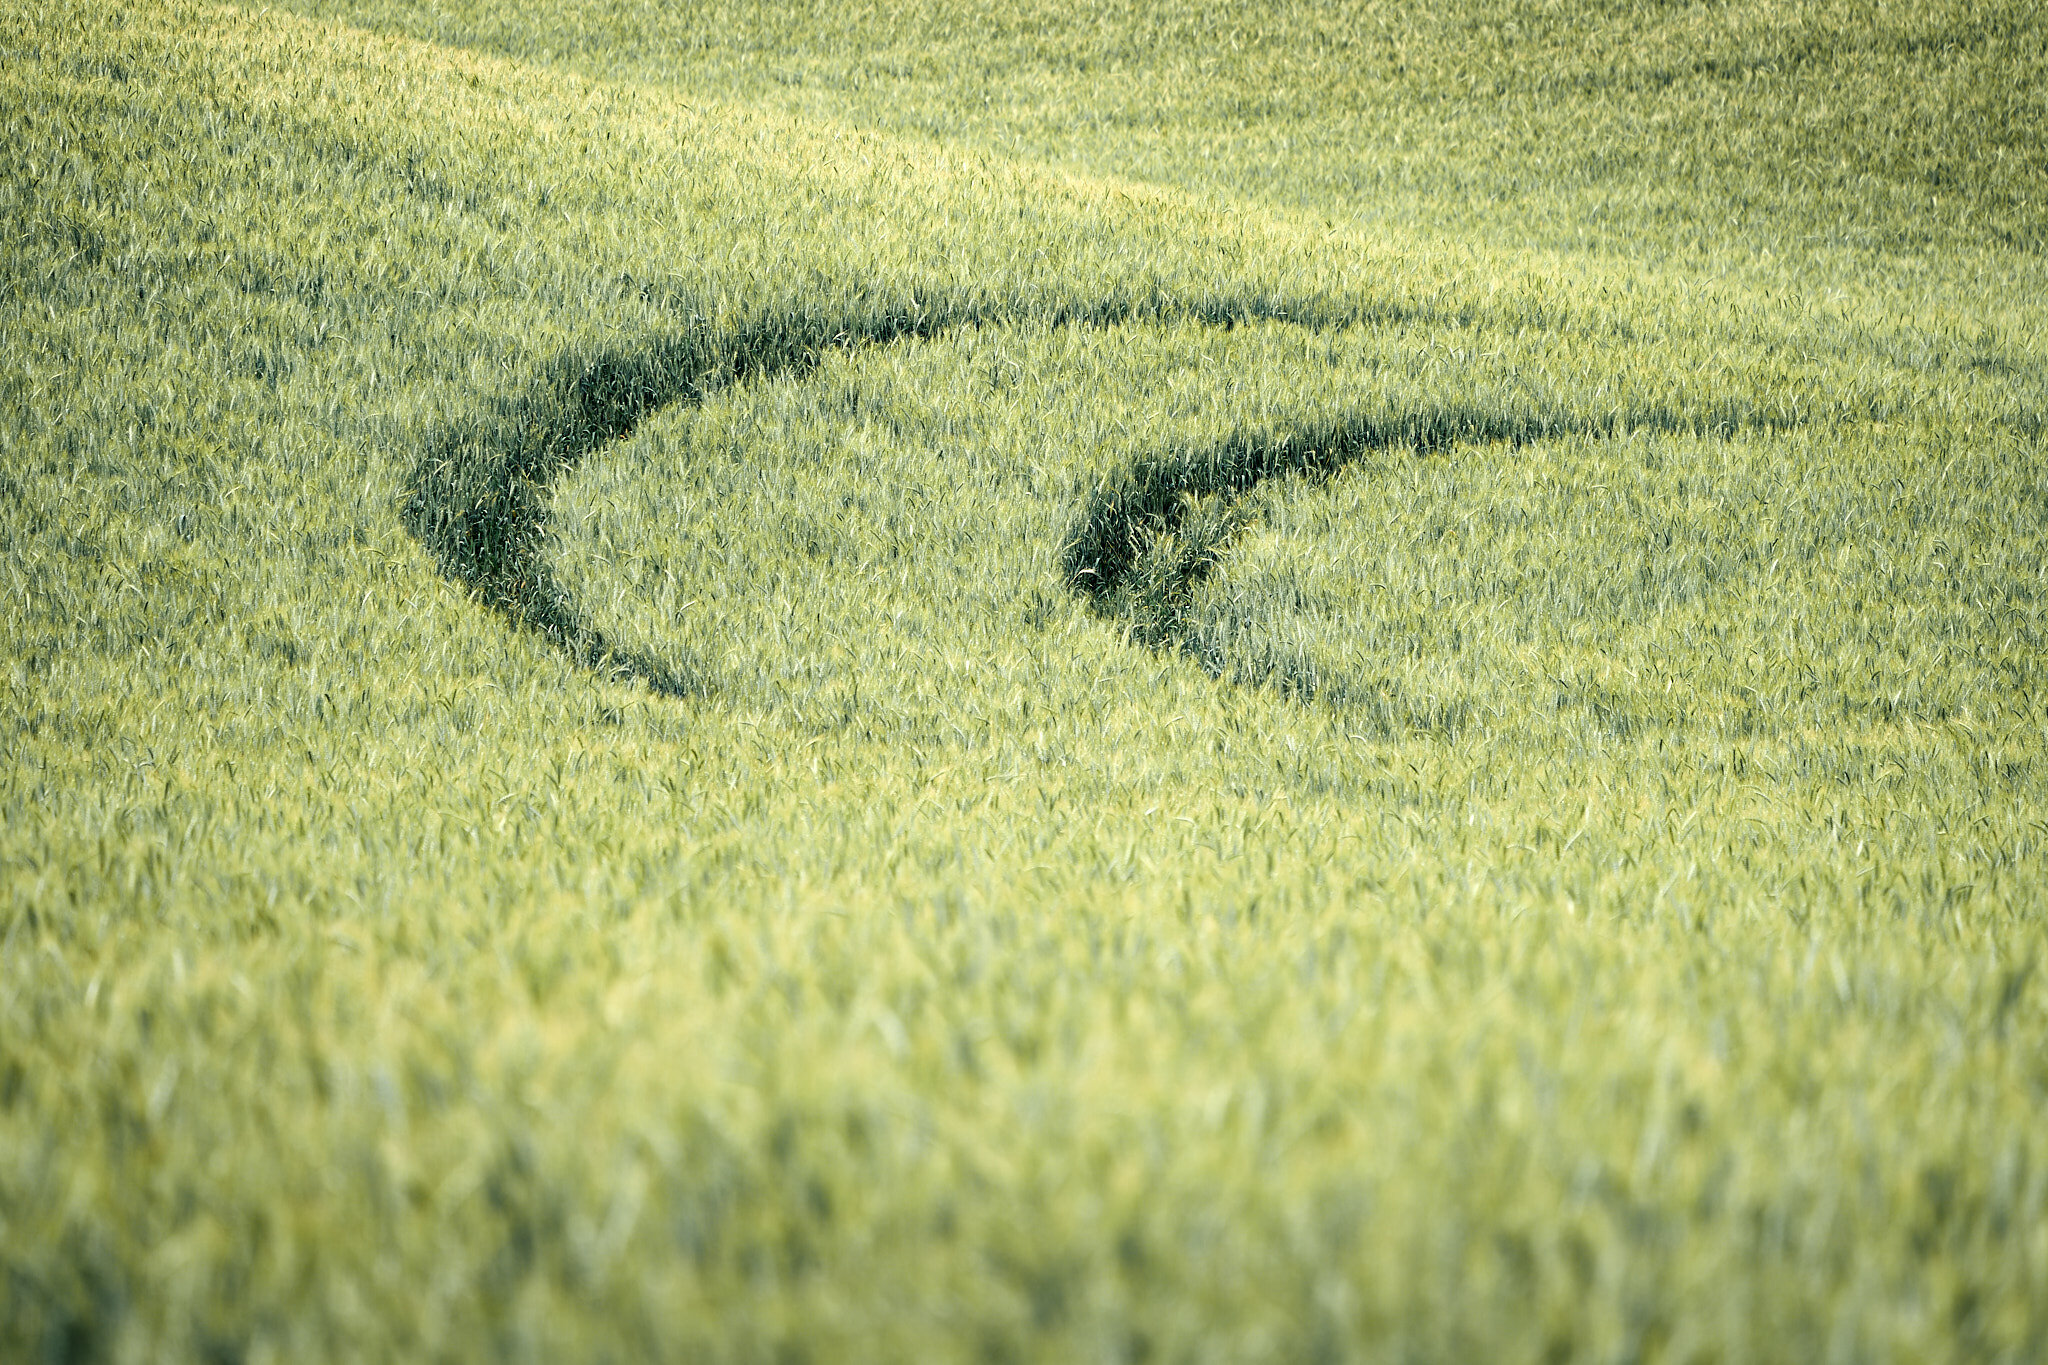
(1023, 682)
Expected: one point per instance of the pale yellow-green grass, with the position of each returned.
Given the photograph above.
(1348, 686)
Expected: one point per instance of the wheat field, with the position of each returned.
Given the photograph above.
(1149, 684)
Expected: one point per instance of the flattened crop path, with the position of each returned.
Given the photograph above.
(479, 494)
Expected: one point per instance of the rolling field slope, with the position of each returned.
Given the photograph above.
(1005, 685)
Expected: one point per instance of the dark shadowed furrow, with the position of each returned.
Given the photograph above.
(1156, 496)
(478, 498)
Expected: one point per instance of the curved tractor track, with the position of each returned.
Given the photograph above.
(478, 497)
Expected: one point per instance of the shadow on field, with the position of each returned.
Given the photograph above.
(1144, 541)
(478, 497)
